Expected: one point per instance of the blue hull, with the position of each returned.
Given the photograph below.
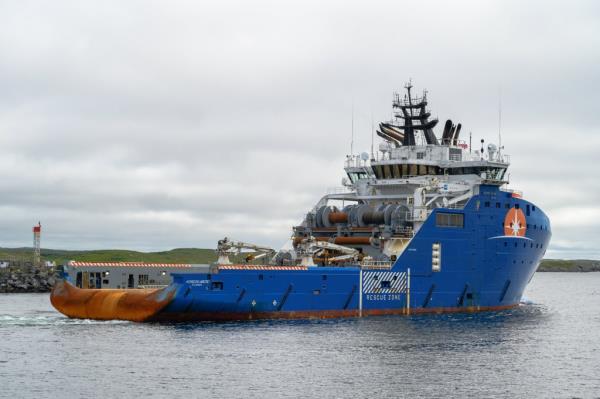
(481, 269)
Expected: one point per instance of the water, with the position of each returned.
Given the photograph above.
(549, 347)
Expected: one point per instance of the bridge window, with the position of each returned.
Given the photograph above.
(413, 170)
(355, 176)
(443, 219)
(387, 172)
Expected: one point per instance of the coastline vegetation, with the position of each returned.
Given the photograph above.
(200, 255)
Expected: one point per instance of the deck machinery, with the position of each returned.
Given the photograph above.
(389, 195)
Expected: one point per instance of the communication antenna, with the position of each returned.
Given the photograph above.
(372, 135)
(352, 139)
(470, 141)
(499, 119)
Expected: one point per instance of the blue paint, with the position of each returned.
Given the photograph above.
(480, 267)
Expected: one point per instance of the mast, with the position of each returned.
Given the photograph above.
(413, 109)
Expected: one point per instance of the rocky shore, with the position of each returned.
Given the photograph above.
(27, 279)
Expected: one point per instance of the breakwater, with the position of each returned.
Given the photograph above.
(27, 279)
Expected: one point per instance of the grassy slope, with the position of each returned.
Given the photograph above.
(197, 255)
(562, 265)
(178, 255)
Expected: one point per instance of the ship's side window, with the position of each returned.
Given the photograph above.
(487, 204)
(507, 205)
(142, 279)
(260, 277)
(443, 219)
(497, 205)
(216, 286)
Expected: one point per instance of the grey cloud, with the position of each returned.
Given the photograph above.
(151, 125)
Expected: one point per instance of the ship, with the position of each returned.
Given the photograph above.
(425, 224)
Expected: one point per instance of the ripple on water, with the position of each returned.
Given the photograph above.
(7, 320)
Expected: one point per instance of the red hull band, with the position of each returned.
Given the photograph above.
(324, 314)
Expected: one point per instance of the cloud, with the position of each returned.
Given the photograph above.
(149, 125)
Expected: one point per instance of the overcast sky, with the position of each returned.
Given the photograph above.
(152, 125)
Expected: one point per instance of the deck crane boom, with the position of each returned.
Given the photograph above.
(226, 248)
(310, 248)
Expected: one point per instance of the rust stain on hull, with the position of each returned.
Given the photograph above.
(109, 304)
(325, 314)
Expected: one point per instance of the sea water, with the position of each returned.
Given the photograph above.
(548, 347)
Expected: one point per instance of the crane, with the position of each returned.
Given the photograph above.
(226, 248)
(309, 248)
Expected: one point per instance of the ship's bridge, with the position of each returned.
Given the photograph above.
(439, 160)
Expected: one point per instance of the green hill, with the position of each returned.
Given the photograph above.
(575, 265)
(199, 255)
(177, 255)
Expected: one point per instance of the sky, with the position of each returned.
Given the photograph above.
(153, 125)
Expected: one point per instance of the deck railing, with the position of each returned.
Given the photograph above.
(376, 264)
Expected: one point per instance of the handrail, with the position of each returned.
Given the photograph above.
(151, 286)
(376, 264)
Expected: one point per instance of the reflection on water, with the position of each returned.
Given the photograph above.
(546, 347)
